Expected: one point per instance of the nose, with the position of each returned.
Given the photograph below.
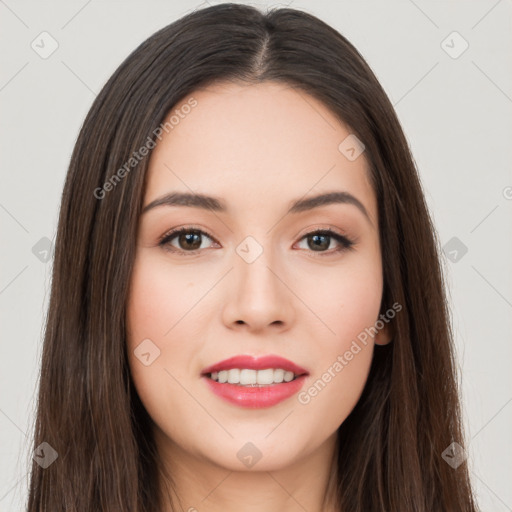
(258, 296)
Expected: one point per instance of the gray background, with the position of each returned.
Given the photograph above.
(456, 113)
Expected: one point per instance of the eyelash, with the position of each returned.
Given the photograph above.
(345, 243)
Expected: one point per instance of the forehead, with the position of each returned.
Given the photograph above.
(255, 144)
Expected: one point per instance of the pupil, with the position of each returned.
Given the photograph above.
(191, 240)
(316, 244)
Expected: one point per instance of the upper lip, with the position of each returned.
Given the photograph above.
(255, 363)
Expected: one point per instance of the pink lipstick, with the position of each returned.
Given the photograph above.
(253, 382)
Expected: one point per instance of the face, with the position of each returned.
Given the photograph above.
(252, 275)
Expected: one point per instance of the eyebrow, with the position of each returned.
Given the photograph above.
(218, 205)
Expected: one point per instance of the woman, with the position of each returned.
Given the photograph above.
(247, 307)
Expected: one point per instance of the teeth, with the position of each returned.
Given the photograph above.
(246, 377)
(234, 376)
(279, 375)
(265, 376)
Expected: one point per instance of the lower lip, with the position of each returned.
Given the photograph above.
(256, 397)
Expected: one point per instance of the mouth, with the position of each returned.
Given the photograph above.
(252, 382)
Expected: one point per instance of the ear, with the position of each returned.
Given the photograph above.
(385, 335)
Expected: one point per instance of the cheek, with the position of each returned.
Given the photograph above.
(328, 398)
(157, 307)
(160, 298)
(148, 298)
(153, 308)
(348, 304)
(343, 358)
(346, 299)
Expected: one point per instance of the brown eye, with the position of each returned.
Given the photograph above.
(320, 241)
(187, 240)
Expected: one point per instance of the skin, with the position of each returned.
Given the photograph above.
(258, 148)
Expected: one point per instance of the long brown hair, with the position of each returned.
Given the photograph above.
(391, 445)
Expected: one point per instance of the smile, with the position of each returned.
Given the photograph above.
(248, 377)
(255, 382)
